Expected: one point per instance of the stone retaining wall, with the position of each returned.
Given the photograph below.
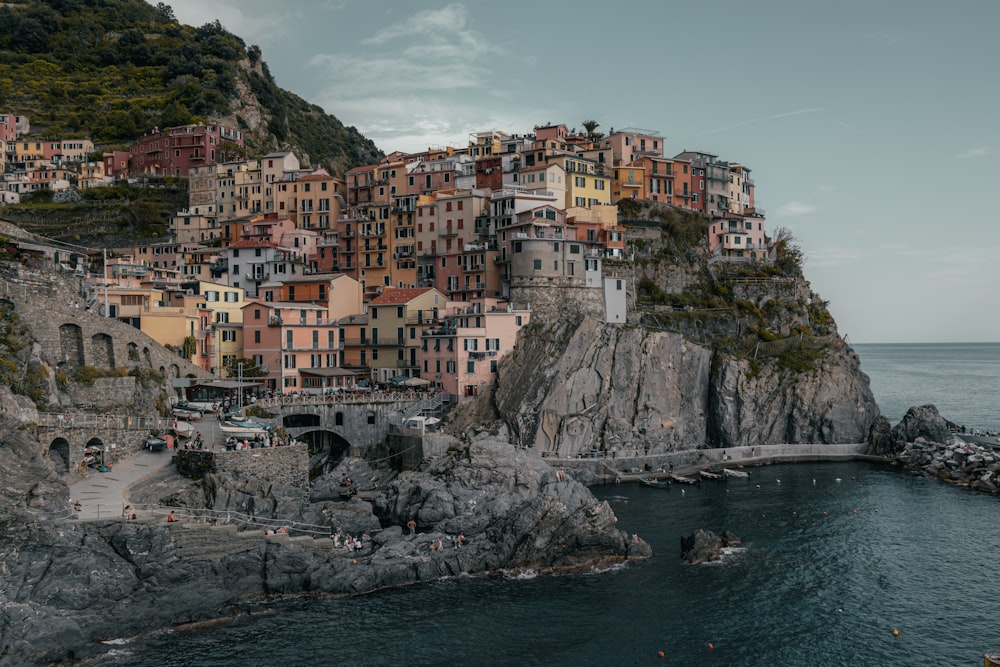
(287, 466)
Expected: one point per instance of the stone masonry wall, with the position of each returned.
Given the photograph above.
(286, 466)
(557, 300)
(71, 336)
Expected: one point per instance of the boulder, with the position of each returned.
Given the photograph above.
(704, 546)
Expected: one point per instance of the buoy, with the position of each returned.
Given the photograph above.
(855, 511)
(814, 482)
(836, 479)
(826, 514)
(710, 646)
(778, 481)
(895, 632)
(660, 654)
(795, 513)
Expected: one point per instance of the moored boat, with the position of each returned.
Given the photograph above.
(708, 474)
(681, 479)
(242, 428)
(655, 483)
(729, 472)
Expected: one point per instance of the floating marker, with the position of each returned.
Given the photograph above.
(895, 632)
(660, 654)
(710, 647)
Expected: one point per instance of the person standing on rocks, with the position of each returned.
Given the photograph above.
(412, 525)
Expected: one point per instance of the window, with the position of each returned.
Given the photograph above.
(256, 313)
(289, 361)
(256, 336)
(580, 182)
(470, 366)
(374, 313)
(493, 365)
(538, 265)
(232, 297)
(574, 249)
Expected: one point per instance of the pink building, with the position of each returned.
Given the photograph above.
(737, 236)
(175, 150)
(295, 344)
(461, 352)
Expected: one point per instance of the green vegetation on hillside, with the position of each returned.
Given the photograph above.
(111, 217)
(111, 70)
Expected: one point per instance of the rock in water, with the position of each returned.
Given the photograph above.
(704, 546)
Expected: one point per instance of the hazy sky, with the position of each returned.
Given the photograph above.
(870, 125)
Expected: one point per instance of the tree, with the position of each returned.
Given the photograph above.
(250, 368)
(165, 13)
(789, 254)
(590, 126)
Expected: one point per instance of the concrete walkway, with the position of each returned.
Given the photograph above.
(104, 494)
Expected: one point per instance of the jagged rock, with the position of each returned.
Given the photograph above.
(880, 440)
(703, 546)
(921, 422)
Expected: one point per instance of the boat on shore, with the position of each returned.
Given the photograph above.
(708, 474)
(655, 483)
(681, 479)
(729, 472)
(243, 427)
(183, 429)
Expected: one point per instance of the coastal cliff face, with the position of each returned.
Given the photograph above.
(577, 386)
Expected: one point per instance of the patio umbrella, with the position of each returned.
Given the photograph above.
(416, 382)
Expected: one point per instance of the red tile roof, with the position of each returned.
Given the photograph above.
(397, 295)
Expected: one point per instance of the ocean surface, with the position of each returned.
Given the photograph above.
(835, 557)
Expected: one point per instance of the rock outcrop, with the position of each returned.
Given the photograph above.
(576, 385)
(704, 546)
(67, 584)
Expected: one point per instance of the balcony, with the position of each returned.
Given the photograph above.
(274, 321)
(448, 231)
(258, 277)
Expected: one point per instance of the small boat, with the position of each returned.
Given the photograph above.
(655, 483)
(707, 474)
(681, 479)
(243, 428)
(181, 413)
(729, 472)
(183, 429)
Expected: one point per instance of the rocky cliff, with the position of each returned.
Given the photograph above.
(713, 355)
(577, 386)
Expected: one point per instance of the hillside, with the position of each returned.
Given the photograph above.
(111, 70)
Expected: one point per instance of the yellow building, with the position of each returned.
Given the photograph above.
(395, 321)
(587, 183)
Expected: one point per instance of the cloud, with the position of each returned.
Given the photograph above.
(256, 25)
(758, 120)
(422, 80)
(795, 208)
(972, 152)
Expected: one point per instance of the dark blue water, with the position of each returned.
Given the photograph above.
(829, 569)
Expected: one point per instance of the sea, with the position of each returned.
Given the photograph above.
(840, 564)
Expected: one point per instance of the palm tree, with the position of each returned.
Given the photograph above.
(590, 126)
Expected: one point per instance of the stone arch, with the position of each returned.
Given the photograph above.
(102, 351)
(6, 305)
(59, 453)
(175, 371)
(71, 345)
(132, 350)
(321, 441)
(163, 371)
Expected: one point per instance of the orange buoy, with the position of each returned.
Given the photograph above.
(660, 654)
(826, 514)
(895, 632)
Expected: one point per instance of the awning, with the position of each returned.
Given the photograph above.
(327, 372)
(416, 382)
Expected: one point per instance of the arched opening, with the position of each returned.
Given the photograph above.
(93, 455)
(59, 453)
(71, 346)
(102, 348)
(133, 352)
(326, 450)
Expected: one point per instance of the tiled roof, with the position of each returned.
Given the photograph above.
(396, 296)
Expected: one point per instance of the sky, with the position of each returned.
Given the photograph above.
(870, 126)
